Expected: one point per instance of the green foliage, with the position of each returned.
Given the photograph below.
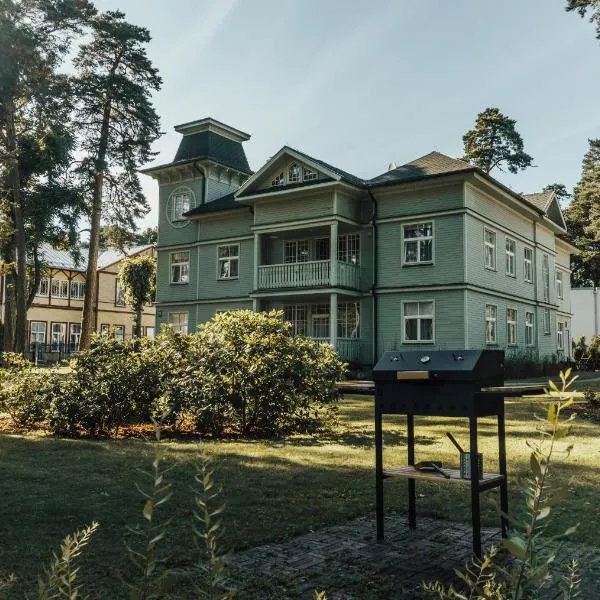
(560, 192)
(580, 349)
(582, 6)
(583, 220)
(532, 552)
(25, 391)
(109, 385)
(61, 577)
(137, 275)
(494, 141)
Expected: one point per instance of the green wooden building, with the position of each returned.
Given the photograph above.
(432, 254)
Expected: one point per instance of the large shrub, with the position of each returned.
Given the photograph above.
(26, 391)
(109, 385)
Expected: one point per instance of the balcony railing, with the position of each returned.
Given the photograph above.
(347, 349)
(315, 273)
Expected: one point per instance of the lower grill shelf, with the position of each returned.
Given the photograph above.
(487, 480)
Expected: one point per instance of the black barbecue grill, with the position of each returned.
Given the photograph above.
(444, 383)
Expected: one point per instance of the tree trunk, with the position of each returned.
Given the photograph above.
(91, 281)
(20, 280)
(138, 321)
(37, 277)
(8, 333)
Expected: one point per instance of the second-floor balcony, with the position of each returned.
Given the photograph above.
(309, 274)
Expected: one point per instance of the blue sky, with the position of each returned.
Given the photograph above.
(360, 84)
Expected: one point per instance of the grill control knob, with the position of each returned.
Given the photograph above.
(425, 359)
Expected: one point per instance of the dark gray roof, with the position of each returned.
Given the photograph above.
(434, 163)
(212, 146)
(540, 199)
(227, 202)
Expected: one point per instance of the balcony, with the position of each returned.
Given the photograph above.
(310, 274)
(347, 349)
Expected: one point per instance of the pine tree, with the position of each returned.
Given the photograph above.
(494, 142)
(35, 36)
(583, 220)
(582, 6)
(118, 124)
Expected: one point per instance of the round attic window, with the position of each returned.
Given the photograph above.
(180, 201)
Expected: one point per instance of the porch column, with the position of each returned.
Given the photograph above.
(333, 314)
(333, 258)
(256, 259)
(255, 304)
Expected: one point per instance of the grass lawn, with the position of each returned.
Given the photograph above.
(273, 490)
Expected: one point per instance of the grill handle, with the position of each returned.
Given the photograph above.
(453, 440)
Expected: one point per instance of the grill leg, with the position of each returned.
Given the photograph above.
(475, 509)
(378, 474)
(412, 513)
(503, 471)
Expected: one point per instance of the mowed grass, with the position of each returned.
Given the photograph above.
(273, 490)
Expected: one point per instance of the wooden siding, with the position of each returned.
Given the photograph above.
(167, 233)
(449, 320)
(348, 207)
(205, 312)
(162, 315)
(403, 203)
(174, 292)
(293, 209)
(224, 226)
(216, 189)
(447, 254)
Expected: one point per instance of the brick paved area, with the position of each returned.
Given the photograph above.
(347, 563)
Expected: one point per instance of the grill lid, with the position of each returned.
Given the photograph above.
(440, 365)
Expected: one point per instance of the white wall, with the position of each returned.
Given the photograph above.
(585, 305)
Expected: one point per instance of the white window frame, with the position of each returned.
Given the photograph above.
(44, 288)
(546, 277)
(418, 240)
(348, 321)
(320, 317)
(74, 345)
(547, 321)
(418, 317)
(77, 290)
(559, 285)
(279, 180)
(178, 266)
(297, 315)
(560, 335)
(293, 249)
(60, 333)
(486, 245)
(294, 173)
(181, 202)
(512, 325)
(491, 319)
(62, 286)
(182, 325)
(34, 336)
(348, 248)
(230, 258)
(309, 174)
(120, 293)
(529, 328)
(510, 247)
(528, 265)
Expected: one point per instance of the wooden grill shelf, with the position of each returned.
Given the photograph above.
(409, 472)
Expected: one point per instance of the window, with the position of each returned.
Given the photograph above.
(418, 321)
(60, 288)
(297, 315)
(349, 248)
(119, 332)
(308, 174)
(74, 335)
(560, 335)
(104, 328)
(229, 261)
(320, 321)
(511, 327)
(528, 265)
(44, 287)
(179, 321)
(546, 321)
(490, 249)
(322, 249)
(294, 173)
(59, 331)
(418, 243)
(491, 313)
(529, 328)
(295, 251)
(37, 333)
(120, 291)
(546, 277)
(149, 332)
(78, 290)
(348, 320)
(559, 284)
(181, 204)
(180, 267)
(279, 180)
(511, 250)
